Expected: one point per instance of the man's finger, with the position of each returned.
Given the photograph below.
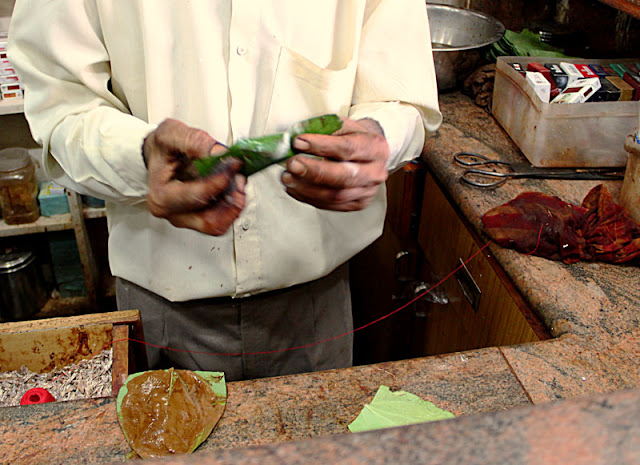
(311, 192)
(177, 196)
(214, 221)
(358, 146)
(332, 173)
(173, 136)
(354, 204)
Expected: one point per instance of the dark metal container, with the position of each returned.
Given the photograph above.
(22, 289)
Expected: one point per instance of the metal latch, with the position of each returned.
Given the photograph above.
(470, 288)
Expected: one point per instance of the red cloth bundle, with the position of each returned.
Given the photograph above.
(546, 226)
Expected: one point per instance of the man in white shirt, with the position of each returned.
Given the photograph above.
(250, 267)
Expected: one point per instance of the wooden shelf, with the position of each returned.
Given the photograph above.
(631, 7)
(48, 224)
(12, 106)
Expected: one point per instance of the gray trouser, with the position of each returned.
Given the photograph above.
(272, 321)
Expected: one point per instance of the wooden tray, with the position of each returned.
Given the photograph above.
(43, 345)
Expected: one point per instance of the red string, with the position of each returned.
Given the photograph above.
(538, 243)
(312, 344)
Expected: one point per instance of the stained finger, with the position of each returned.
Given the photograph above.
(177, 196)
(345, 206)
(331, 196)
(176, 137)
(352, 146)
(334, 174)
(214, 221)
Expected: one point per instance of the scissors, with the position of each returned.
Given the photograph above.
(503, 170)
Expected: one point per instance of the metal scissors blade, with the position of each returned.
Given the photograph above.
(505, 170)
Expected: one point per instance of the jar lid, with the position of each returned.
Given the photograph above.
(13, 158)
(14, 259)
(632, 143)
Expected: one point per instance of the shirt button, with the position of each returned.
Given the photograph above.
(241, 50)
(246, 224)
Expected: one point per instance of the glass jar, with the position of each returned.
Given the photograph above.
(18, 187)
(630, 194)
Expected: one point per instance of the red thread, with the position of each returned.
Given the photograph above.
(537, 243)
(312, 344)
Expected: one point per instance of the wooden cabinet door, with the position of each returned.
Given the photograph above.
(382, 274)
(476, 309)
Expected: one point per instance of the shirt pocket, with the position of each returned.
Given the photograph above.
(303, 89)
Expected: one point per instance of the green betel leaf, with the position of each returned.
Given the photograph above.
(389, 409)
(164, 412)
(260, 152)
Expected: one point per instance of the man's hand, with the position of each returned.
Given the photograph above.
(209, 205)
(348, 174)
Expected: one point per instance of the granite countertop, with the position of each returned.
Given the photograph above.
(531, 403)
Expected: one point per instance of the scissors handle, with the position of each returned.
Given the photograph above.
(476, 159)
(483, 178)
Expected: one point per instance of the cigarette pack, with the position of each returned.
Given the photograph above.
(4, 88)
(598, 70)
(518, 67)
(539, 68)
(11, 95)
(546, 72)
(619, 68)
(607, 92)
(573, 74)
(586, 71)
(7, 71)
(626, 91)
(559, 76)
(8, 79)
(579, 92)
(633, 81)
(540, 85)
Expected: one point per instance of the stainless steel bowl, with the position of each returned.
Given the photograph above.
(459, 37)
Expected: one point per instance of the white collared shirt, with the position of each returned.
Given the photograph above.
(99, 75)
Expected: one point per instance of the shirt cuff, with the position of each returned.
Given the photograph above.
(403, 126)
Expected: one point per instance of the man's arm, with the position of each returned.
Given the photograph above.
(395, 105)
(90, 141)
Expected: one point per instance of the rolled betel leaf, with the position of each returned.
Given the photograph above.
(165, 412)
(260, 152)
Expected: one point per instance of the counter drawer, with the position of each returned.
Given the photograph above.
(474, 308)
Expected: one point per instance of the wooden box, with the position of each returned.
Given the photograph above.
(43, 345)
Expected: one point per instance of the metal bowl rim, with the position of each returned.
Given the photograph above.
(500, 29)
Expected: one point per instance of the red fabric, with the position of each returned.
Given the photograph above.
(546, 226)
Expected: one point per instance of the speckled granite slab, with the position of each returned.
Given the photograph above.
(595, 307)
(268, 410)
(602, 430)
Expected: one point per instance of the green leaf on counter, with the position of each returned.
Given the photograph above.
(389, 409)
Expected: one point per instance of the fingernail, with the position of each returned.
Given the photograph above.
(287, 179)
(296, 167)
(301, 144)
